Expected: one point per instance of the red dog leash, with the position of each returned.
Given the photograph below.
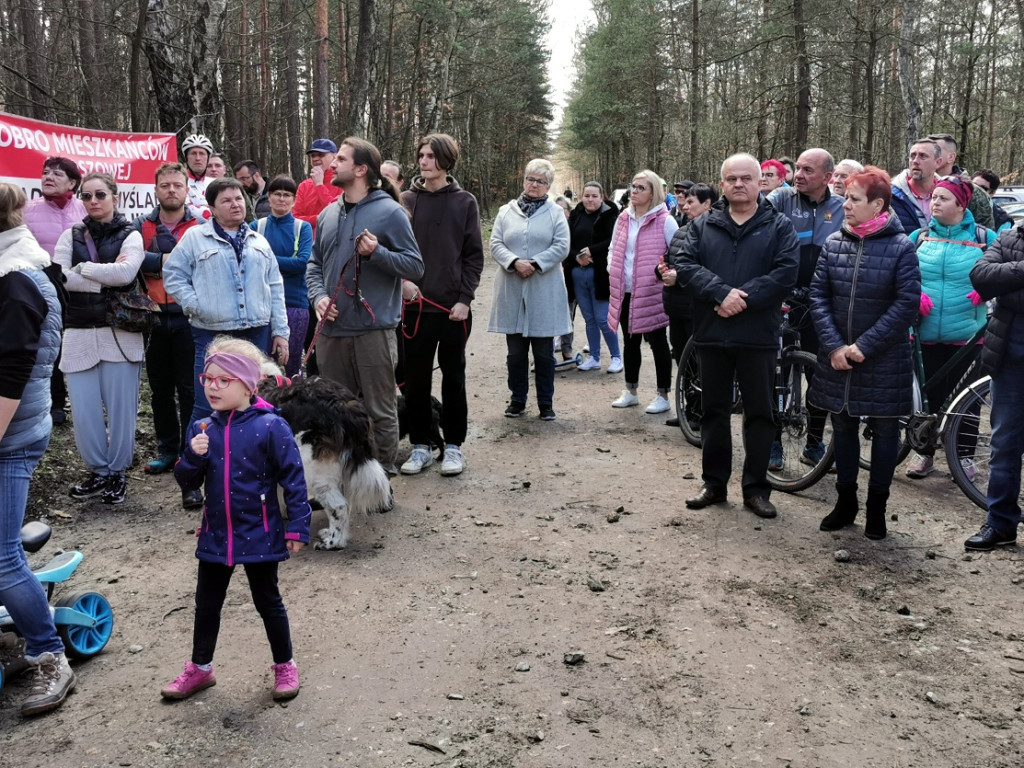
(355, 293)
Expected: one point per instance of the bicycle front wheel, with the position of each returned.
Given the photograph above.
(688, 394)
(967, 439)
(804, 433)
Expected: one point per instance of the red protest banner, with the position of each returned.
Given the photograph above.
(131, 158)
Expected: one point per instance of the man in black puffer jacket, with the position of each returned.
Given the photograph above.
(738, 263)
(999, 275)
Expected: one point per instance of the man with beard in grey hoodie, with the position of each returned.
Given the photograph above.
(363, 249)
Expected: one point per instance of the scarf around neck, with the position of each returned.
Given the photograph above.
(529, 205)
(870, 227)
(237, 240)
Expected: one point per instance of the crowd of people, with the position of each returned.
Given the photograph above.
(382, 283)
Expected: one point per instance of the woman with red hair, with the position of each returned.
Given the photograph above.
(773, 175)
(864, 298)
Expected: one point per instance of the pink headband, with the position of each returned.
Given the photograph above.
(239, 366)
(958, 189)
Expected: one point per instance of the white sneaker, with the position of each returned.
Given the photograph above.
(658, 405)
(421, 458)
(590, 364)
(615, 366)
(920, 466)
(453, 463)
(626, 400)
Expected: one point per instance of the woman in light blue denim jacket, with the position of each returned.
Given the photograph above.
(225, 278)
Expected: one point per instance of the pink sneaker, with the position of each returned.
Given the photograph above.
(286, 680)
(192, 680)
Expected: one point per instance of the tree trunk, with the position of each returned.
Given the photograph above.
(287, 64)
(32, 36)
(695, 100)
(803, 78)
(365, 74)
(89, 45)
(182, 47)
(908, 88)
(321, 86)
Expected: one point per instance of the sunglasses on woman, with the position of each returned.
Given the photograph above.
(100, 195)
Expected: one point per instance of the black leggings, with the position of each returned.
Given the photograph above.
(658, 341)
(211, 589)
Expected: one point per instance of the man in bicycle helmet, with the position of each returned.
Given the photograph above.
(196, 149)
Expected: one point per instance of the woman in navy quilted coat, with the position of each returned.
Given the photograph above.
(864, 298)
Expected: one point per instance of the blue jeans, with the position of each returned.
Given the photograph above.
(1007, 446)
(20, 591)
(595, 313)
(202, 338)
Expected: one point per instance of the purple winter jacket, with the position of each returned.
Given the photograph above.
(251, 453)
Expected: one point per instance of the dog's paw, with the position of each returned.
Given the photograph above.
(388, 505)
(330, 539)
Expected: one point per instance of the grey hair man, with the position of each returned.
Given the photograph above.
(844, 169)
(738, 263)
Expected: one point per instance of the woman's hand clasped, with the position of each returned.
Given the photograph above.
(846, 354)
(524, 268)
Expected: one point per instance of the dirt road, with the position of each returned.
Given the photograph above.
(439, 637)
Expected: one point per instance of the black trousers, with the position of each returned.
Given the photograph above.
(211, 589)
(658, 341)
(436, 334)
(170, 365)
(754, 370)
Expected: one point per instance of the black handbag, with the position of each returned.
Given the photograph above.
(131, 310)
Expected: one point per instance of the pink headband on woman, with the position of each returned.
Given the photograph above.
(958, 189)
(239, 366)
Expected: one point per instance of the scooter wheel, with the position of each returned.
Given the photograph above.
(85, 642)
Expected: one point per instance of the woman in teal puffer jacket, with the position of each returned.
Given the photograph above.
(951, 310)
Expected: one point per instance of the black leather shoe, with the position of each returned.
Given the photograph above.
(988, 538)
(760, 507)
(192, 499)
(706, 498)
(673, 422)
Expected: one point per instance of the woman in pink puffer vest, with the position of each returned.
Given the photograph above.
(642, 234)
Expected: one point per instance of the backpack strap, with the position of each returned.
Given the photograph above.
(298, 231)
(261, 226)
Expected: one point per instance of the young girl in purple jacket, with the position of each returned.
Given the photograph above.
(241, 456)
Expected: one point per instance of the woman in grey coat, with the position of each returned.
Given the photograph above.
(529, 240)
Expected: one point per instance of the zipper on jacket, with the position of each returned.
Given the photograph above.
(263, 502)
(849, 317)
(227, 489)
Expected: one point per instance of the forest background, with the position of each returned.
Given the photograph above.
(666, 84)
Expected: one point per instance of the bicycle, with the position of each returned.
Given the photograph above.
(961, 425)
(792, 414)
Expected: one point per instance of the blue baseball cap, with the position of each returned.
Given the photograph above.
(323, 145)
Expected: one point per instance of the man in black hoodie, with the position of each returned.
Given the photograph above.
(738, 262)
(446, 223)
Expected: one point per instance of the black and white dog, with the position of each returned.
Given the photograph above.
(335, 438)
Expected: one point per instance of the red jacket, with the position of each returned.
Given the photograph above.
(311, 199)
